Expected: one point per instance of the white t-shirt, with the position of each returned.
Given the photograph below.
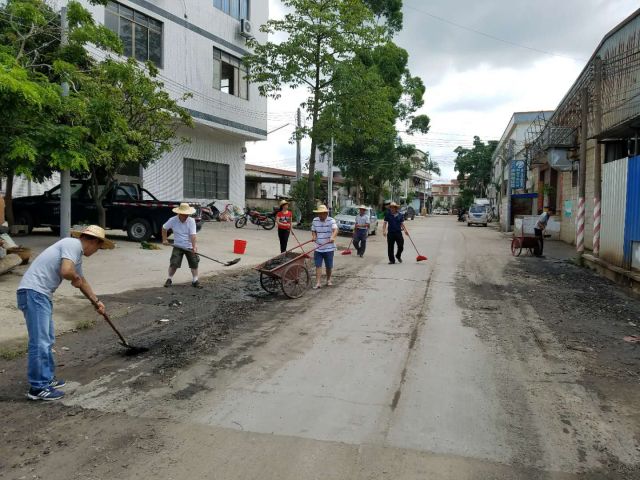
(44, 273)
(181, 231)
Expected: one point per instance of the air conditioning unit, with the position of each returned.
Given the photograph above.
(246, 29)
(559, 159)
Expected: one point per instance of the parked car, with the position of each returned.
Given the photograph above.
(477, 215)
(440, 211)
(408, 211)
(346, 220)
(124, 204)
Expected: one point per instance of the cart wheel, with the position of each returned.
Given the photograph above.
(516, 247)
(269, 283)
(295, 280)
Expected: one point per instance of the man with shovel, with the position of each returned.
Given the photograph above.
(62, 260)
(184, 243)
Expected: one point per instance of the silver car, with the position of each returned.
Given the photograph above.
(346, 220)
(477, 215)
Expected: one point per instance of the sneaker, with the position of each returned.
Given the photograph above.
(47, 394)
(168, 283)
(57, 383)
(196, 284)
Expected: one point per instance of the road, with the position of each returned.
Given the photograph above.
(440, 369)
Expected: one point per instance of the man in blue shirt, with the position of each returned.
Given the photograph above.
(392, 229)
(62, 260)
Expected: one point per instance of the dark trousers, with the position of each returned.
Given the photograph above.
(360, 241)
(283, 236)
(392, 239)
(538, 250)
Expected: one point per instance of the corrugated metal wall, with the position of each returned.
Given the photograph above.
(632, 223)
(614, 199)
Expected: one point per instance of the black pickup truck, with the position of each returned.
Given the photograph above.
(124, 204)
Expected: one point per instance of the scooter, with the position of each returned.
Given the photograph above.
(461, 215)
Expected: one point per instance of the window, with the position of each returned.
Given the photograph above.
(236, 8)
(141, 35)
(205, 179)
(229, 74)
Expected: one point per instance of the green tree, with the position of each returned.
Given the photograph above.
(130, 120)
(320, 35)
(390, 10)
(474, 168)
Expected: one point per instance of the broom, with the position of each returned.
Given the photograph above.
(348, 250)
(419, 258)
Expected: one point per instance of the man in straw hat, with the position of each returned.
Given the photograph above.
(324, 231)
(62, 260)
(284, 220)
(392, 229)
(361, 230)
(184, 242)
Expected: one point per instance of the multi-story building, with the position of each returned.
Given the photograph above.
(418, 184)
(512, 192)
(198, 46)
(445, 194)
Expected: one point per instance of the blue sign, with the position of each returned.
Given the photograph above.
(517, 174)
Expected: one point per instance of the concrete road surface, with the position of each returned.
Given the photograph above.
(407, 371)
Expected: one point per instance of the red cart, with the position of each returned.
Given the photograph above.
(288, 272)
(524, 236)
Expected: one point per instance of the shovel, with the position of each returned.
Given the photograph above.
(419, 258)
(226, 264)
(131, 350)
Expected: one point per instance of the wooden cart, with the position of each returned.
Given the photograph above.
(288, 272)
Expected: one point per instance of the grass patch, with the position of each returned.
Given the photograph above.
(13, 350)
(85, 324)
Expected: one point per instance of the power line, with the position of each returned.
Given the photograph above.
(491, 36)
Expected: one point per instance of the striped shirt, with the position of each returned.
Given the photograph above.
(323, 233)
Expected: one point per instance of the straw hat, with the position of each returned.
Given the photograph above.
(97, 232)
(362, 207)
(394, 204)
(321, 209)
(184, 209)
(284, 202)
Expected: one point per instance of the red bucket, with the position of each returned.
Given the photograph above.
(239, 246)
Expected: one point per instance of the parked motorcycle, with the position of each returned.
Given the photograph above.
(210, 212)
(267, 221)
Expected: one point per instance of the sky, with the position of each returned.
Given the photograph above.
(480, 62)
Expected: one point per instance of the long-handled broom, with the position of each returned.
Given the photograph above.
(348, 250)
(419, 258)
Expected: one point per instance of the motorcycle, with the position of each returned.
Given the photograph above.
(266, 221)
(210, 212)
(461, 215)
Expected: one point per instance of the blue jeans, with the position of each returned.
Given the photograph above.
(37, 309)
(318, 257)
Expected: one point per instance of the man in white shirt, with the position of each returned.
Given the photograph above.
(184, 243)
(324, 231)
(541, 225)
(361, 230)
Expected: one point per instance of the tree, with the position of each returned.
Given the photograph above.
(370, 95)
(320, 35)
(474, 168)
(390, 10)
(40, 132)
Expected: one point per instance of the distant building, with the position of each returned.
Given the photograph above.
(445, 194)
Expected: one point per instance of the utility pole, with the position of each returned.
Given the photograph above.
(584, 132)
(65, 175)
(298, 146)
(330, 177)
(598, 160)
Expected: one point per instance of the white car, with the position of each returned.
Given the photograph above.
(477, 215)
(346, 220)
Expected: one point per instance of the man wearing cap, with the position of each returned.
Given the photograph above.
(62, 260)
(392, 229)
(324, 231)
(361, 231)
(184, 243)
(284, 220)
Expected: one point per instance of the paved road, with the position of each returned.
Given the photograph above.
(407, 371)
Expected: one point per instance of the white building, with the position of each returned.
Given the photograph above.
(198, 46)
(509, 176)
